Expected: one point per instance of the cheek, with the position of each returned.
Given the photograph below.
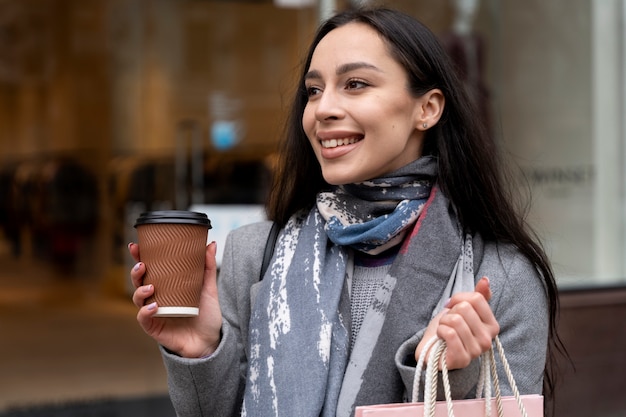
(308, 119)
(308, 125)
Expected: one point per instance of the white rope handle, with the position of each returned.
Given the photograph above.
(436, 356)
(509, 375)
(419, 367)
(496, 382)
(484, 381)
(488, 373)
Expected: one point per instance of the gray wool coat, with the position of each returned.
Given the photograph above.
(214, 386)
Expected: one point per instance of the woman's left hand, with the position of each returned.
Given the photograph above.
(467, 325)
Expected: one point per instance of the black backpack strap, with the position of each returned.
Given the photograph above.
(269, 248)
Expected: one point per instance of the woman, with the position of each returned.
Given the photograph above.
(395, 227)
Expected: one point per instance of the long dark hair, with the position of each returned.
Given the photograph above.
(470, 173)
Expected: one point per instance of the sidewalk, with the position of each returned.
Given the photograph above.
(63, 341)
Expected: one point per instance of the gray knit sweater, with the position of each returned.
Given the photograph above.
(214, 386)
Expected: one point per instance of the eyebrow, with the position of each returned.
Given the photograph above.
(343, 69)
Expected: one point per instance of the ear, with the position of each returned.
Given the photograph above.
(430, 109)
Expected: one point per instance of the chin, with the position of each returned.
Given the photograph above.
(342, 179)
(334, 179)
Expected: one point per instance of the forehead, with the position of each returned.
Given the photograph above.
(352, 41)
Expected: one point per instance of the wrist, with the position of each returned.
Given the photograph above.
(211, 349)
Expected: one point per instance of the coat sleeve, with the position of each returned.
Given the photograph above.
(521, 308)
(520, 305)
(214, 386)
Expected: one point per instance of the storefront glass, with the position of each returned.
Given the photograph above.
(557, 89)
(550, 76)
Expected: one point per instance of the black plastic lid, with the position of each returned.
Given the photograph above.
(173, 217)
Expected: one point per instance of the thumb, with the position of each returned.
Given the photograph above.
(482, 286)
(210, 262)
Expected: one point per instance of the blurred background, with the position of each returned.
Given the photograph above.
(112, 107)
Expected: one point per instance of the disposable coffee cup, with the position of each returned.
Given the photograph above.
(172, 245)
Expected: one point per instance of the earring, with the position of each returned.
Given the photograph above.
(425, 125)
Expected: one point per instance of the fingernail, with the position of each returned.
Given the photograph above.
(130, 244)
(137, 266)
(447, 303)
(152, 306)
(147, 288)
(486, 279)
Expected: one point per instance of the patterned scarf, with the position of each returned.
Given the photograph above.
(374, 216)
(299, 327)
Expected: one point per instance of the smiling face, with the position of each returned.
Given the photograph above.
(360, 118)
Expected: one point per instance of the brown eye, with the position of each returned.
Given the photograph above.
(356, 84)
(312, 91)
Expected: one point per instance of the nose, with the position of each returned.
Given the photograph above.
(329, 106)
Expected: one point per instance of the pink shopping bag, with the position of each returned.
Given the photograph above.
(497, 406)
(462, 408)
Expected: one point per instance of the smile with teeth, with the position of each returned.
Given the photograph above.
(333, 143)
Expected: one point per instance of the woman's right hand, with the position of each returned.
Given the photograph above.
(190, 337)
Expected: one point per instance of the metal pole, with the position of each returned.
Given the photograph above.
(188, 167)
(197, 165)
(326, 8)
